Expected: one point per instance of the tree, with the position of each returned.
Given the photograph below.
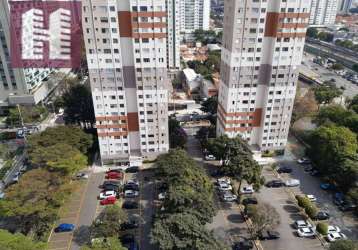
(325, 36)
(59, 157)
(312, 32)
(353, 104)
(264, 217)
(304, 106)
(183, 231)
(111, 243)
(33, 202)
(355, 67)
(18, 241)
(337, 66)
(177, 135)
(332, 113)
(73, 136)
(29, 114)
(343, 245)
(4, 151)
(210, 105)
(78, 106)
(109, 222)
(325, 94)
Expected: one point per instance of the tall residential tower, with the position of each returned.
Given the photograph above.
(127, 60)
(323, 12)
(261, 51)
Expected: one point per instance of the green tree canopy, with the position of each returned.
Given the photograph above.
(343, 245)
(108, 223)
(312, 32)
(111, 243)
(9, 241)
(353, 105)
(181, 232)
(333, 113)
(34, 200)
(264, 216)
(73, 136)
(210, 105)
(177, 135)
(325, 94)
(59, 157)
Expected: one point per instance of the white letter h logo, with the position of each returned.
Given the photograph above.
(58, 35)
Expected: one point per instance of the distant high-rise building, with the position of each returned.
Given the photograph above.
(261, 53)
(195, 14)
(344, 6)
(17, 86)
(173, 38)
(323, 12)
(126, 49)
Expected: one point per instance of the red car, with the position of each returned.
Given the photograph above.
(114, 175)
(108, 201)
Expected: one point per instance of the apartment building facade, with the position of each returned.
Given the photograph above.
(126, 54)
(344, 6)
(323, 12)
(195, 14)
(17, 86)
(262, 49)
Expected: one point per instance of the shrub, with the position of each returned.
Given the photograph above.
(250, 210)
(311, 211)
(322, 228)
(303, 201)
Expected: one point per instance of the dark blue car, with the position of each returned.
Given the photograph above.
(64, 227)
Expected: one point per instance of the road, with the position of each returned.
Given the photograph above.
(326, 75)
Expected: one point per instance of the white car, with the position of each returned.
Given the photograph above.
(224, 187)
(210, 158)
(106, 194)
(311, 197)
(303, 161)
(16, 177)
(130, 193)
(302, 224)
(292, 183)
(336, 236)
(306, 232)
(161, 196)
(247, 190)
(229, 197)
(133, 182)
(333, 229)
(224, 180)
(82, 176)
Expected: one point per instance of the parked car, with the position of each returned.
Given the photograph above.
(64, 227)
(315, 172)
(224, 187)
(108, 201)
(132, 224)
(292, 183)
(117, 183)
(347, 206)
(302, 224)
(308, 169)
(117, 170)
(82, 176)
(275, 183)
(130, 205)
(228, 197)
(106, 194)
(161, 196)
(284, 169)
(210, 158)
(132, 182)
(247, 190)
(311, 197)
(132, 170)
(16, 177)
(131, 187)
(243, 245)
(217, 173)
(304, 161)
(333, 229)
(269, 235)
(338, 198)
(306, 232)
(131, 193)
(114, 175)
(223, 180)
(336, 236)
(249, 201)
(322, 216)
(109, 187)
(327, 186)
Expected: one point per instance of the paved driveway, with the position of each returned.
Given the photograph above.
(285, 206)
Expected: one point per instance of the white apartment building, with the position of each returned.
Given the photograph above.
(17, 86)
(173, 35)
(344, 6)
(126, 48)
(195, 14)
(262, 49)
(323, 12)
